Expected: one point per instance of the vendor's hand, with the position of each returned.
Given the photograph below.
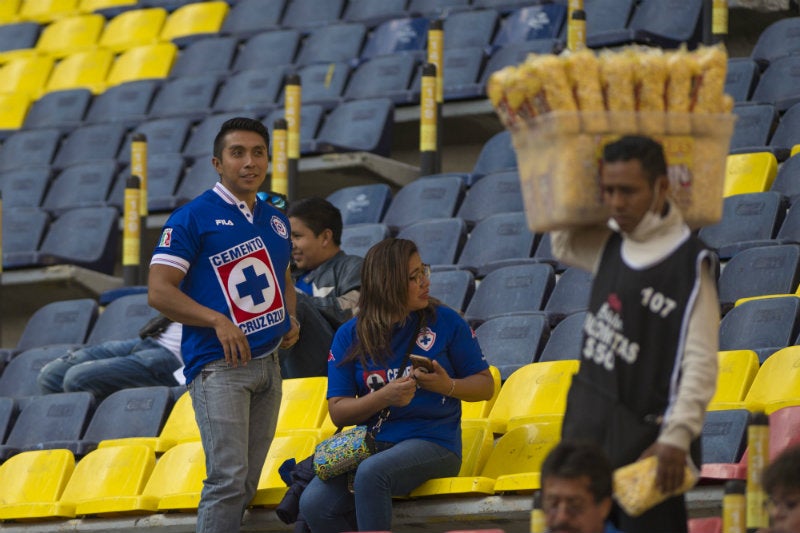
(671, 465)
(437, 381)
(291, 337)
(234, 342)
(399, 392)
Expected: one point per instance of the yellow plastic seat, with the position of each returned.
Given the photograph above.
(303, 404)
(13, 109)
(26, 74)
(180, 427)
(195, 18)
(482, 409)
(141, 63)
(46, 10)
(136, 27)
(70, 34)
(86, 70)
(752, 172)
(89, 6)
(536, 392)
(9, 11)
(31, 484)
(296, 445)
(178, 477)
(109, 480)
(795, 150)
(737, 370)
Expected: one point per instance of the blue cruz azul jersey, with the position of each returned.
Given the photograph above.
(235, 263)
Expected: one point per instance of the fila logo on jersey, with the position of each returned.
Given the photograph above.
(247, 277)
(223, 222)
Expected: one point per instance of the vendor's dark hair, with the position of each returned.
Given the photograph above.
(636, 147)
(318, 214)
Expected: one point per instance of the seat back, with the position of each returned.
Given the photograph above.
(385, 76)
(566, 339)
(777, 40)
(787, 133)
(127, 103)
(31, 483)
(295, 446)
(496, 155)
(360, 204)
(252, 90)
(603, 16)
(198, 179)
(777, 380)
(751, 172)
(786, 182)
(332, 43)
(513, 341)
(59, 109)
(189, 96)
(16, 37)
(267, 49)
(23, 230)
(529, 23)
(132, 28)
(495, 238)
(18, 379)
(790, 229)
(164, 172)
(60, 322)
(24, 187)
(148, 61)
(177, 479)
(511, 289)
(745, 217)
(761, 324)
(181, 425)
(323, 83)
(404, 35)
(424, 199)
(571, 294)
(668, 24)
(741, 78)
(45, 11)
(494, 193)
(754, 125)
(210, 55)
(247, 17)
(438, 240)
(96, 142)
(312, 13)
(760, 271)
(87, 69)
(469, 28)
(193, 20)
(736, 371)
(70, 34)
(522, 449)
(81, 185)
(86, 237)
(360, 125)
(371, 12)
(514, 54)
(122, 319)
(26, 74)
(50, 420)
(778, 83)
(310, 120)
(164, 136)
(724, 435)
(24, 146)
(133, 412)
(303, 403)
(357, 239)
(453, 287)
(478, 410)
(8, 415)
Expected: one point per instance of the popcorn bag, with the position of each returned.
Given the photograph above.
(562, 110)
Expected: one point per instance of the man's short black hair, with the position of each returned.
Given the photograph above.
(576, 459)
(318, 214)
(238, 124)
(644, 149)
(783, 473)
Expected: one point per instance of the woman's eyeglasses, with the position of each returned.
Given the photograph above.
(421, 275)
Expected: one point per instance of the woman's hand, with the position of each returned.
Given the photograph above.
(399, 392)
(437, 381)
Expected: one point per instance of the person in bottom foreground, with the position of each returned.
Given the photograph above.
(781, 482)
(369, 371)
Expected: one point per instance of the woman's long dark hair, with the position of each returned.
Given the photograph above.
(383, 300)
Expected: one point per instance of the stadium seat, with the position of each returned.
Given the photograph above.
(170, 5)
(70, 34)
(108, 8)
(438, 240)
(14, 108)
(151, 61)
(741, 78)
(656, 23)
(423, 199)
(453, 287)
(27, 75)
(362, 203)
(109, 480)
(496, 155)
(24, 187)
(529, 23)
(164, 172)
(179, 427)
(724, 435)
(787, 133)
(406, 35)
(194, 21)
(248, 17)
(786, 182)
(18, 379)
(31, 484)
(503, 5)
(323, 84)
(776, 41)
(59, 322)
(737, 369)
(512, 341)
(498, 240)
(86, 237)
(566, 339)
(312, 13)
(746, 173)
(266, 50)
(311, 116)
(9, 11)
(544, 254)
(211, 55)
(437, 8)
(373, 13)
(759, 271)
(177, 479)
(478, 410)
(606, 17)
(358, 238)
(255, 90)
(790, 229)
(754, 126)
(511, 290)
(776, 383)
(360, 125)
(136, 27)
(63, 110)
(333, 43)
(514, 54)
(462, 69)
(473, 28)
(23, 231)
(48, 422)
(745, 217)
(387, 76)
(126, 103)
(762, 325)
(189, 96)
(778, 84)
(570, 295)
(94, 142)
(86, 69)
(198, 178)
(303, 404)
(493, 193)
(46, 11)
(122, 319)
(80, 185)
(164, 136)
(271, 487)
(18, 39)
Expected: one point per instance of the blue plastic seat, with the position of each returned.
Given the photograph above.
(254, 90)
(566, 339)
(724, 436)
(164, 172)
(462, 69)
(312, 13)
(81, 185)
(437, 8)
(23, 231)
(333, 43)
(512, 341)
(745, 217)
(753, 127)
(606, 16)
(127, 103)
(18, 379)
(361, 204)
(311, 116)
(779, 39)
(384, 76)
(18, 36)
(786, 181)
(267, 50)
(509, 290)
(496, 241)
(26, 146)
(406, 35)
(63, 110)
(544, 254)
(373, 13)
(94, 142)
(741, 78)
(494, 193)
(212, 55)
(164, 136)
(453, 287)
(358, 238)
(762, 325)
(779, 84)
(570, 295)
(360, 125)
(787, 133)
(515, 53)
(8, 415)
(323, 84)
(187, 96)
(422, 199)
(122, 319)
(248, 17)
(86, 237)
(658, 23)
(439, 240)
(503, 5)
(59, 322)
(24, 187)
(497, 155)
(198, 179)
(760, 271)
(543, 21)
(469, 29)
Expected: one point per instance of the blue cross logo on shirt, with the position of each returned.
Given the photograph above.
(253, 285)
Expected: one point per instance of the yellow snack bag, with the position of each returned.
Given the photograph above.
(583, 73)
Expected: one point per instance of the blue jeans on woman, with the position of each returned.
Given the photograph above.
(396, 471)
(236, 409)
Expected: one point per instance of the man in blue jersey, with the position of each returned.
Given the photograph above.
(221, 268)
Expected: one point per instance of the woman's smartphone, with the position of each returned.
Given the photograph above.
(419, 361)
